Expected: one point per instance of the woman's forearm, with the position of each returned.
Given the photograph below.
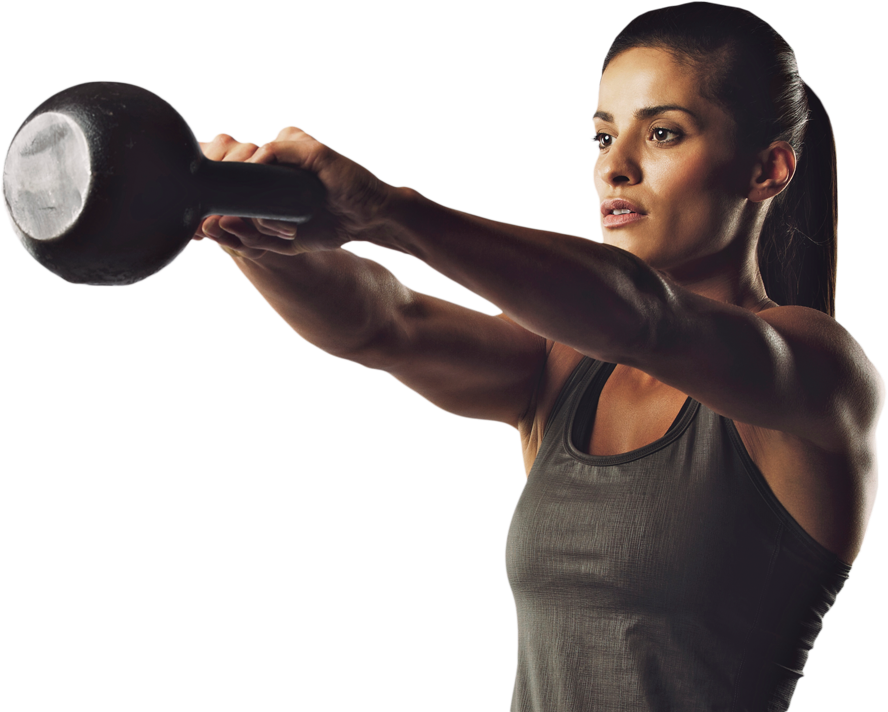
(593, 297)
(342, 303)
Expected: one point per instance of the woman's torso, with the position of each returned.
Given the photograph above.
(824, 492)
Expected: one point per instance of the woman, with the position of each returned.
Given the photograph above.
(697, 428)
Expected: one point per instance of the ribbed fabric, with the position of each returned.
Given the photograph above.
(666, 579)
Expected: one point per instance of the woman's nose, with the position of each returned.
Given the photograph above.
(617, 166)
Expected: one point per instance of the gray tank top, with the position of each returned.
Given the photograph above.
(668, 579)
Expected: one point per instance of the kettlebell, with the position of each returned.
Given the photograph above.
(106, 184)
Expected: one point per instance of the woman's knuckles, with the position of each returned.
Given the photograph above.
(355, 197)
(291, 133)
(223, 141)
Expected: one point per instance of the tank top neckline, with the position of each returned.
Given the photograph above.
(582, 411)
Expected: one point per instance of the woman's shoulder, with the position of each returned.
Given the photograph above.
(832, 361)
(817, 330)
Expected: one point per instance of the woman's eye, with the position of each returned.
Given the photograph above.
(604, 140)
(661, 135)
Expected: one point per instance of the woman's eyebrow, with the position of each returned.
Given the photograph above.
(649, 112)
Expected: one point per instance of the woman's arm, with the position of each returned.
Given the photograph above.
(595, 298)
(790, 369)
(464, 361)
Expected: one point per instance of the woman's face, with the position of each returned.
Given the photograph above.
(669, 152)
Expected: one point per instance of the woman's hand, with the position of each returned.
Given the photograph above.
(225, 148)
(355, 205)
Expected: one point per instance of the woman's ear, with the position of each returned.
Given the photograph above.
(772, 171)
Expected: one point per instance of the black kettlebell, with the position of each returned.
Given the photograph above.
(106, 184)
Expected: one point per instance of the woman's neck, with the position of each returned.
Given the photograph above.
(732, 277)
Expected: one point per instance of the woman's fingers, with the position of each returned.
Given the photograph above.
(353, 197)
(229, 241)
(291, 133)
(251, 237)
(222, 148)
(276, 228)
(251, 231)
(226, 148)
(299, 149)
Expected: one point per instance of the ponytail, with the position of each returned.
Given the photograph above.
(797, 245)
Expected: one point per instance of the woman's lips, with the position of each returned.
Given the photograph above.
(611, 220)
(619, 204)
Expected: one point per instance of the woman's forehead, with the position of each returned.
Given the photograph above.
(643, 78)
(649, 74)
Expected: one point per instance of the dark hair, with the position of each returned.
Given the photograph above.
(750, 71)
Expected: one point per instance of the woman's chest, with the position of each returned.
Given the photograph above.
(633, 410)
(820, 491)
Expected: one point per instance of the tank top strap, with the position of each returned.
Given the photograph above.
(574, 387)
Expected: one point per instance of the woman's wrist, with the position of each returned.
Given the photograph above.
(390, 229)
